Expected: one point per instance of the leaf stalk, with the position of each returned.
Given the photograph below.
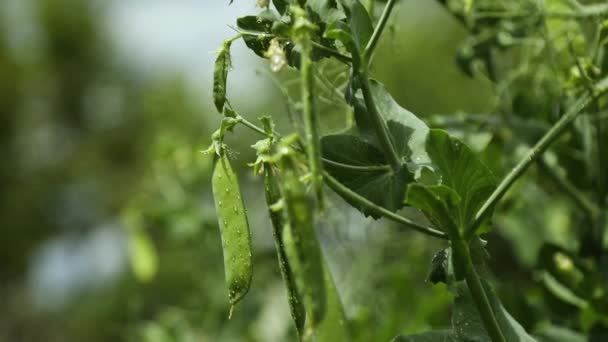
(352, 196)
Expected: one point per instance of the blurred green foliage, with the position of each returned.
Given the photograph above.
(86, 141)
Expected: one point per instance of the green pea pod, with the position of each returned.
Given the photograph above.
(234, 228)
(303, 251)
(273, 195)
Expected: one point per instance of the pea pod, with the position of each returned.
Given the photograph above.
(303, 251)
(234, 229)
(273, 195)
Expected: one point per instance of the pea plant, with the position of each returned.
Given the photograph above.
(545, 60)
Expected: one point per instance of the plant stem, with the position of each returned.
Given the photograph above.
(463, 253)
(541, 146)
(577, 196)
(250, 125)
(373, 41)
(353, 197)
(342, 58)
(584, 12)
(313, 140)
(359, 168)
(379, 125)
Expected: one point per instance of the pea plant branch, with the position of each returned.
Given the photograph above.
(304, 29)
(535, 152)
(350, 195)
(386, 158)
(347, 193)
(379, 29)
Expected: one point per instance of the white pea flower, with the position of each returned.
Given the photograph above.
(275, 52)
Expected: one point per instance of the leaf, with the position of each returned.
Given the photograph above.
(281, 5)
(142, 252)
(552, 333)
(467, 323)
(444, 335)
(341, 32)
(370, 176)
(462, 171)
(440, 267)
(433, 201)
(392, 111)
(143, 256)
(361, 27)
(260, 33)
(223, 63)
(326, 11)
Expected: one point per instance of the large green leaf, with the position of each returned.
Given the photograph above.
(360, 23)
(326, 10)
(436, 202)
(366, 171)
(461, 170)
(467, 323)
(392, 111)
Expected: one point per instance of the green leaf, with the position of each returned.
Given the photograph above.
(325, 10)
(434, 201)
(444, 335)
(369, 174)
(460, 170)
(341, 32)
(142, 252)
(361, 27)
(281, 5)
(143, 256)
(439, 267)
(392, 111)
(223, 63)
(552, 333)
(260, 33)
(467, 323)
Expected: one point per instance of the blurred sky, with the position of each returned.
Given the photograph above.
(167, 36)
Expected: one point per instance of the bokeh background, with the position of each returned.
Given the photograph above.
(108, 230)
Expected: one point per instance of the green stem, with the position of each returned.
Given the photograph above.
(463, 255)
(373, 41)
(359, 168)
(342, 58)
(536, 151)
(585, 12)
(353, 197)
(576, 195)
(379, 125)
(313, 140)
(251, 125)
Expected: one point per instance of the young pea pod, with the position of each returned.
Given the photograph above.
(303, 250)
(273, 195)
(234, 229)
